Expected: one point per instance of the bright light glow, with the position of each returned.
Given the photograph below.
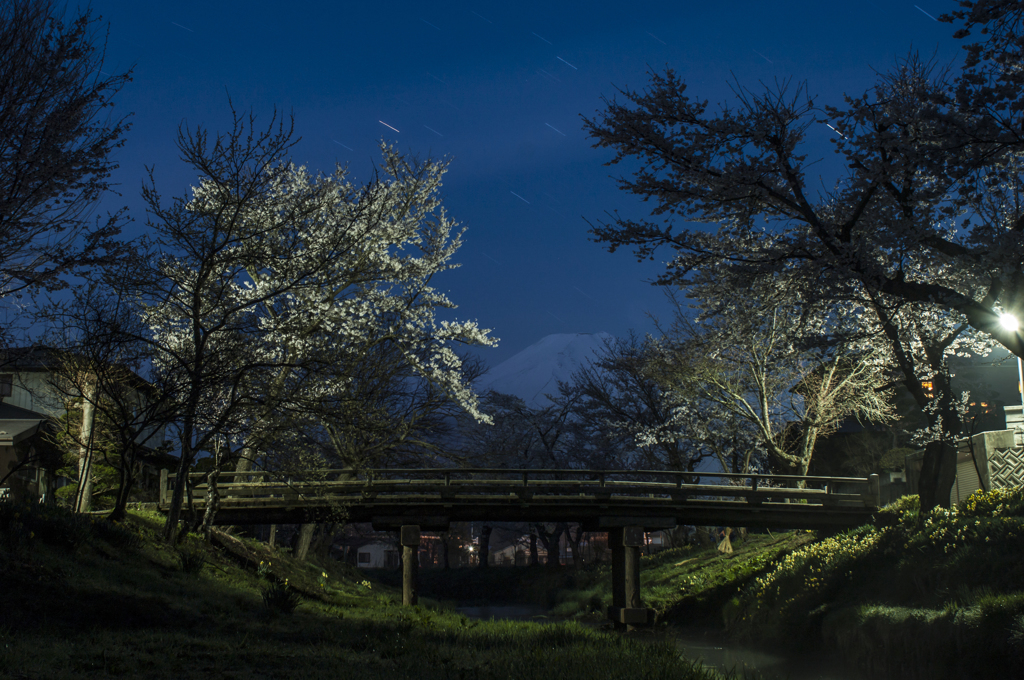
(1009, 322)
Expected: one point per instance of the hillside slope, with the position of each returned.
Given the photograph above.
(85, 598)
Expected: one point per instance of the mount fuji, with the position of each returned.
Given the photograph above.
(535, 372)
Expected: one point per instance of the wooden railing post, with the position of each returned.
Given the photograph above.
(618, 573)
(874, 490)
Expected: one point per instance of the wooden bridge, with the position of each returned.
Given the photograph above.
(624, 503)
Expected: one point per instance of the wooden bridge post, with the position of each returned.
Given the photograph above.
(410, 539)
(618, 568)
(626, 610)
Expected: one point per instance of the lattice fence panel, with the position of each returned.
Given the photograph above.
(1006, 467)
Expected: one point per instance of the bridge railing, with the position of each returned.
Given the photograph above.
(348, 485)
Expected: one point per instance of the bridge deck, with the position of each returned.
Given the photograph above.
(598, 498)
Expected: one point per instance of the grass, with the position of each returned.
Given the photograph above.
(939, 595)
(912, 595)
(683, 584)
(909, 596)
(82, 598)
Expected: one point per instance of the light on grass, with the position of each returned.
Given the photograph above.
(1009, 322)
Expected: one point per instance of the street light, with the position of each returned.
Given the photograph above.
(1010, 323)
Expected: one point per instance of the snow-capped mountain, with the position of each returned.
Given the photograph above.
(536, 370)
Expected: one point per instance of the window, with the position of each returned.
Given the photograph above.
(6, 384)
(364, 558)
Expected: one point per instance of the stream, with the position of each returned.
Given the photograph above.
(718, 654)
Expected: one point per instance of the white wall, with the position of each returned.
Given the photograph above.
(375, 556)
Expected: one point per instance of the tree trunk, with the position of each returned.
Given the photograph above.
(445, 557)
(324, 540)
(938, 474)
(552, 542)
(533, 549)
(85, 452)
(177, 495)
(212, 504)
(124, 489)
(302, 545)
(575, 546)
(485, 545)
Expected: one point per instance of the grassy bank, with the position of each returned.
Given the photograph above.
(912, 596)
(86, 598)
(685, 586)
(932, 596)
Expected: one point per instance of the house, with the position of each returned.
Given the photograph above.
(27, 458)
(368, 552)
(31, 405)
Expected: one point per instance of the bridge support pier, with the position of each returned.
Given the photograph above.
(410, 539)
(627, 611)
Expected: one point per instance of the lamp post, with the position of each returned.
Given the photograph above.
(1010, 323)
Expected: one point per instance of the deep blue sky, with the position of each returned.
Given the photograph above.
(499, 88)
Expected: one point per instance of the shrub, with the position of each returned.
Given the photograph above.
(192, 561)
(1008, 502)
(280, 598)
(903, 510)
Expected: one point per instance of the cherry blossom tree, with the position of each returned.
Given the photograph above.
(266, 275)
(753, 356)
(617, 405)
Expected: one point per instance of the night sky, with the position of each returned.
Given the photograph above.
(498, 88)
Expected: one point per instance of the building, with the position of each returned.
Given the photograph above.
(31, 406)
(990, 460)
(27, 459)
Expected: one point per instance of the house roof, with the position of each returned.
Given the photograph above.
(42, 359)
(12, 412)
(18, 424)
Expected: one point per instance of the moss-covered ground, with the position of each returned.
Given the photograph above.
(84, 598)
